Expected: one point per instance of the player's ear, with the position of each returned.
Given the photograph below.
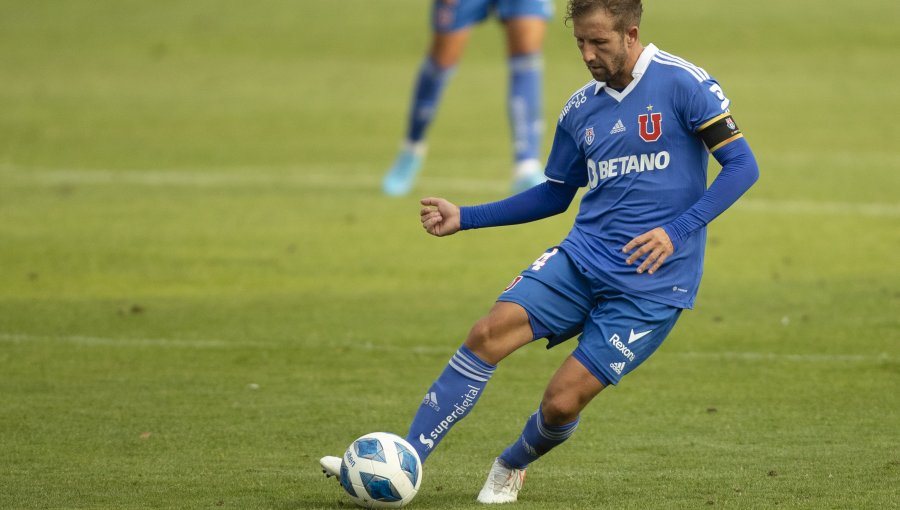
(631, 36)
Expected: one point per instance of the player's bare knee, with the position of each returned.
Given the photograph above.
(487, 341)
(559, 409)
(479, 339)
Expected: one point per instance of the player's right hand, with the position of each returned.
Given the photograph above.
(439, 217)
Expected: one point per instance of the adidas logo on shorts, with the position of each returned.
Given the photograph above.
(617, 367)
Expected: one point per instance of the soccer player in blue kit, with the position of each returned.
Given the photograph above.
(525, 23)
(638, 136)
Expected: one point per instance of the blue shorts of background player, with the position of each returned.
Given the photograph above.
(618, 331)
(450, 16)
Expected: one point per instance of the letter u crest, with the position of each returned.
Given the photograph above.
(651, 126)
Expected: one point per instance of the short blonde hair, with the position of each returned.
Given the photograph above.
(626, 13)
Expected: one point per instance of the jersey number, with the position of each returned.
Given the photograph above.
(542, 260)
(720, 94)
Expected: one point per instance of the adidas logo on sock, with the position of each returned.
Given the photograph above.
(617, 367)
(431, 401)
(618, 128)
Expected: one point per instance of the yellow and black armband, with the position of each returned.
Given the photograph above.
(719, 131)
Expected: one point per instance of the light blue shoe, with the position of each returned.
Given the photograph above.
(399, 180)
(527, 174)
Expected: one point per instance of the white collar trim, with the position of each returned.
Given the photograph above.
(640, 67)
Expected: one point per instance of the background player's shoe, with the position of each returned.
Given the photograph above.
(527, 173)
(399, 179)
(502, 485)
(331, 466)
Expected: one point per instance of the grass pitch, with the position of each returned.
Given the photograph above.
(202, 290)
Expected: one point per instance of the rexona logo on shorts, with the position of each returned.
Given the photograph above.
(616, 342)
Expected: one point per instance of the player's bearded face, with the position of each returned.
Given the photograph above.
(603, 48)
(609, 68)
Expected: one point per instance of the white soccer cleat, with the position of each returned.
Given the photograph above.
(331, 466)
(502, 485)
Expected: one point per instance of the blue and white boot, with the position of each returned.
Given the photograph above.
(399, 179)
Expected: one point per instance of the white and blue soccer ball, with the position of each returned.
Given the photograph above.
(381, 470)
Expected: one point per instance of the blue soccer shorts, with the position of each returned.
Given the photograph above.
(453, 15)
(618, 330)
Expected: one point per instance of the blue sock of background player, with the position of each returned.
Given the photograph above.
(430, 84)
(525, 101)
(526, 106)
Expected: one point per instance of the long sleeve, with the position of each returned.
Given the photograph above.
(739, 172)
(546, 199)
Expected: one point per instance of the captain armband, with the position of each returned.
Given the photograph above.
(719, 131)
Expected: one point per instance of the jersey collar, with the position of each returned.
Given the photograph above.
(640, 67)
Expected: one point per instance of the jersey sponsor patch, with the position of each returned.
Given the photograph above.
(719, 131)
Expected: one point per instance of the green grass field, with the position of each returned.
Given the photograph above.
(202, 290)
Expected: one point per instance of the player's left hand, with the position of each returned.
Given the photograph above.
(655, 244)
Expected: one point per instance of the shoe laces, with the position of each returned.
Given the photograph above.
(503, 477)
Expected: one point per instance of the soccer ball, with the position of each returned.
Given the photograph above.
(381, 470)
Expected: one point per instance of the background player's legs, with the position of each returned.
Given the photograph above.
(447, 48)
(569, 391)
(524, 41)
(458, 388)
(445, 52)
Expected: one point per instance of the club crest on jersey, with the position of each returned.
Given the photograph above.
(730, 123)
(589, 135)
(651, 126)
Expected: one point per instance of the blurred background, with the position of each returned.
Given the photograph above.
(203, 290)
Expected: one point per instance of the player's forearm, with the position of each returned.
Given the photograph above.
(739, 172)
(544, 200)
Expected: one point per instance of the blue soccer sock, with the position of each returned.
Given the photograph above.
(448, 400)
(537, 439)
(526, 108)
(429, 85)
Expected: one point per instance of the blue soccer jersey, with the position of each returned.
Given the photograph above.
(639, 153)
